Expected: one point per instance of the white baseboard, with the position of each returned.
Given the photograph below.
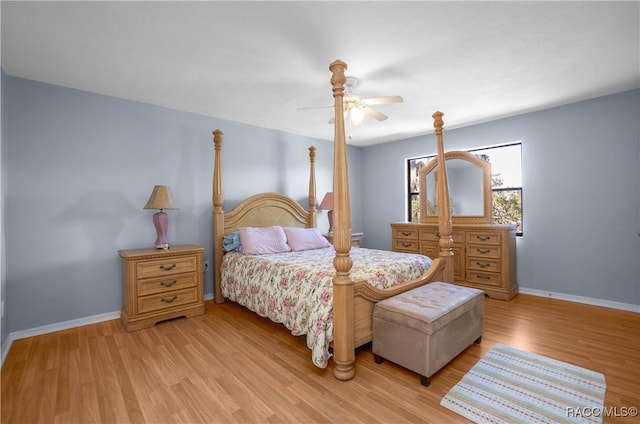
(72, 323)
(64, 325)
(5, 349)
(581, 299)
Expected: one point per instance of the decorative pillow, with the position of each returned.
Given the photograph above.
(305, 238)
(263, 240)
(232, 242)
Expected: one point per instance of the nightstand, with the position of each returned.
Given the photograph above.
(161, 284)
(356, 239)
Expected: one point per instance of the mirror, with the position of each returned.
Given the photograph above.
(469, 181)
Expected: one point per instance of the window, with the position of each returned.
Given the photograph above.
(506, 183)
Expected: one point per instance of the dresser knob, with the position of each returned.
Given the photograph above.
(169, 299)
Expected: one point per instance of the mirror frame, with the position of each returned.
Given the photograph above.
(485, 218)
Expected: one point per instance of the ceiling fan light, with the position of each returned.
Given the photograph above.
(357, 115)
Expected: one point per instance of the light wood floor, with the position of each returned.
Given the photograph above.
(232, 366)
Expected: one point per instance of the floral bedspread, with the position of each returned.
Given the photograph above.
(295, 288)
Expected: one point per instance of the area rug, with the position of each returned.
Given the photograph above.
(513, 386)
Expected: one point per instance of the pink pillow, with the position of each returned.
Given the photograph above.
(263, 240)
(305, 238)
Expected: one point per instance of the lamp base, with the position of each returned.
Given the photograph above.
(161, 222)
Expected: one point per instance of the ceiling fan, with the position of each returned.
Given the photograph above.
(356, 108)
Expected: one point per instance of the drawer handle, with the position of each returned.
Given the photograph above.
(169, 299)
(483, 277)
(483, 251)
(168, 283)
(483, 238)
(167, 267)
(406, 233)
(483, 264)
(406, 244)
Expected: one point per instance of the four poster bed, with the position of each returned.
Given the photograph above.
(329, 291)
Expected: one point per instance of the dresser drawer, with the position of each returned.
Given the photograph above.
(405, 246)
(428, 235)
(483, 238)
(480, 251)
(167, 266)
(405, 233)
(483, 278)
(167, 300)
(161, 285)
(483, 264)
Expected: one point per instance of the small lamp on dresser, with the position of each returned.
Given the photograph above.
(161, 199)
(327, 205)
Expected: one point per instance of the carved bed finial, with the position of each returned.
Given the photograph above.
(338, 79)
(438, 123)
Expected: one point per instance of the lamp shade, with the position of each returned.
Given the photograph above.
(327, 202)
(160, 198)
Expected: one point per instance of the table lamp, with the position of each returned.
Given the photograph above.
(327, 205)
(161, 199)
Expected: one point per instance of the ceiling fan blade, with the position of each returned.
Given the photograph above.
(315, 107)
(383, 100)
(375, 114)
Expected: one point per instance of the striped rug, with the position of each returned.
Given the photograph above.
(512, 386)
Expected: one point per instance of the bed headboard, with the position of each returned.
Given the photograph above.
(259, 210)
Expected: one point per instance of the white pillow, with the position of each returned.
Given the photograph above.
(263, 240)
(305, 238)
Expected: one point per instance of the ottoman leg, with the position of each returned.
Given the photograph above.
(378, 359)
(425, 381)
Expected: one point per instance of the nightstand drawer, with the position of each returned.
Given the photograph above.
(168, 266)
(167, 300)
(161, 285)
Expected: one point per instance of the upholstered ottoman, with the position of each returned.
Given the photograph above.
(424, 328)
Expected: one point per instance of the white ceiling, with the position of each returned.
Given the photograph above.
(257, 62)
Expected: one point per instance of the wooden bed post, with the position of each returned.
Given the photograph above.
(444, 210)
(218, 218)
(343, 291)
(312, 187)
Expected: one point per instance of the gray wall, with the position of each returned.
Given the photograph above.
(581, 185)
(4, 333)
(80, 168)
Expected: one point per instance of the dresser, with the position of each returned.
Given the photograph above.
(159, 284)
(484, 254)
